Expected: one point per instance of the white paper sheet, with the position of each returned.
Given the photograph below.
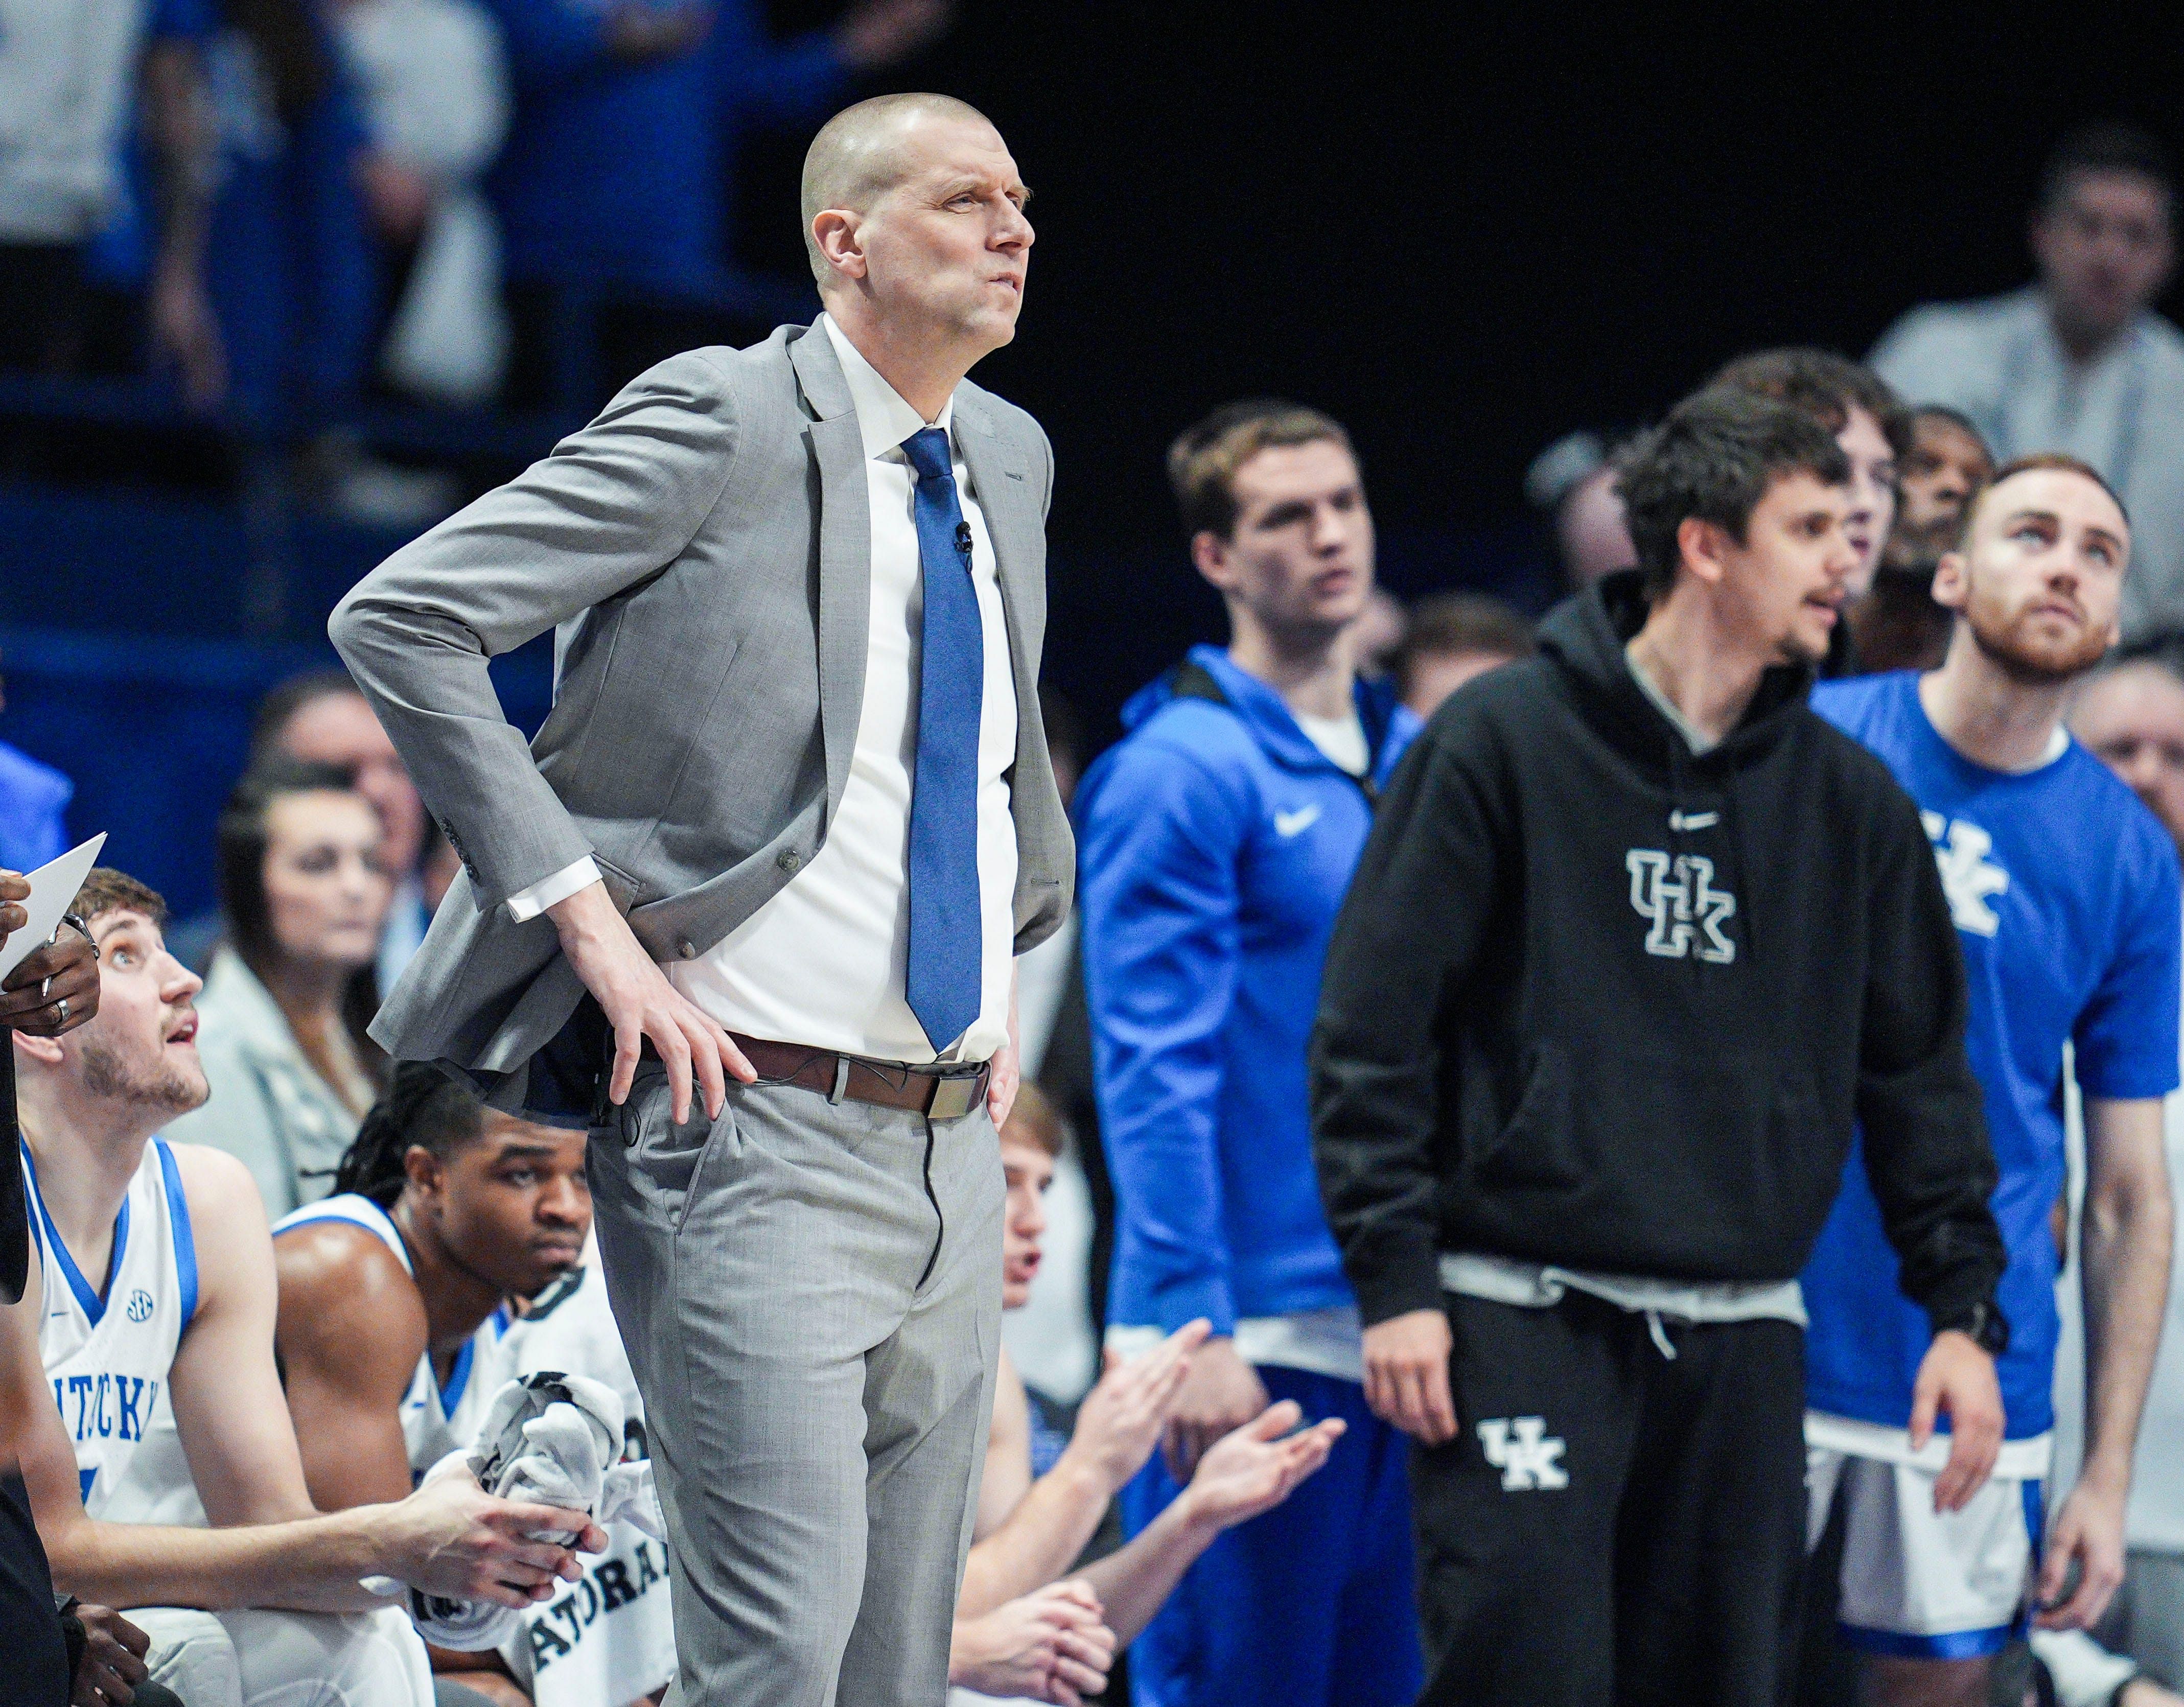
(53, 887)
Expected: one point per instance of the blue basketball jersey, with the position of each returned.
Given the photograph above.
(2065, 892)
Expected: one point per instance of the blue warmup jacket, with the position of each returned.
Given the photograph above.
(1215, 844)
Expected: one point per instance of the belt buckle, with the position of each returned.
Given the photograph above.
(954, 1095)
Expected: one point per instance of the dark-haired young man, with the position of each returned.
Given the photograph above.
(2064, 890)
(1873, 430)
(395, 1292)
(141, 1356)
(1636, 940)
(2079, 361)
(1216, 840)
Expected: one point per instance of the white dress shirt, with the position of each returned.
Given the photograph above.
(824, 962)
(2000, 363)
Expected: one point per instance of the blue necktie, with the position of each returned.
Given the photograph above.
(945, 936)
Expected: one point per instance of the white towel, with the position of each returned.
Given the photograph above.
(547, 1439)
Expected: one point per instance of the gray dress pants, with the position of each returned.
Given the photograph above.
(809, 1292)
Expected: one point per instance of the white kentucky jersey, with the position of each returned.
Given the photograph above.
(108, 1349)
(438, 1417)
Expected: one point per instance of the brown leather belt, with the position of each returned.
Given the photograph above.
(939, 1091)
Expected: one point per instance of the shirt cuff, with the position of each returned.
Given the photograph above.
(529, 903)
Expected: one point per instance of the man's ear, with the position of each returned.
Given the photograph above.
(1209, 553)
(836, 231)
(1951, 580)
(46, 1052)
(1704, 548)
(423, 1169)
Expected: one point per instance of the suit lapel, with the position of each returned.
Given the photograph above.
(845, 553)
(1002, 485)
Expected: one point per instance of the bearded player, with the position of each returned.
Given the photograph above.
(2064, 890)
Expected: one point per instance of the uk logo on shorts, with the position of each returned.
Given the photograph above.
(1679, 902)
(1521, 1449)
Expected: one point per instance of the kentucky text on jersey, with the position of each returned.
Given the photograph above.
(108, 1349)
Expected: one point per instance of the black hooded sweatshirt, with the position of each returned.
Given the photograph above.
(1597, 1001)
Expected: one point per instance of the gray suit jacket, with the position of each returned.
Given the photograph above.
(704, 548)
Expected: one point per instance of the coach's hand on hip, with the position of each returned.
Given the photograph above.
(1957, 1376)
(1406, 1375)
(639, 1003)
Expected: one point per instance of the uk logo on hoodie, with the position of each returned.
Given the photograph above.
(1683, 911)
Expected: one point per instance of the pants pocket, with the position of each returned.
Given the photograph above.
(666, 1158)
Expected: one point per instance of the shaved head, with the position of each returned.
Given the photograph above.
(860, 153)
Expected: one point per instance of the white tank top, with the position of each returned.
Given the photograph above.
(438, 1418)
(108, 1352)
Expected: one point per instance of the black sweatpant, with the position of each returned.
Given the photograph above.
(1611, 1525)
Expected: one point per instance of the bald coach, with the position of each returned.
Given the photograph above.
(748, 905)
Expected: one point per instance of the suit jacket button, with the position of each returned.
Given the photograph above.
(788, 859)
(687, 949)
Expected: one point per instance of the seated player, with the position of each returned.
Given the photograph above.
(147, 1335)
(1028, 1533)
(398, 1296)
(2064, 891)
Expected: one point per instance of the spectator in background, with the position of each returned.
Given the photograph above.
(71, 73)
(1450, 639)
(1215, 844)
(1897, 626)
(433, 84)
(613, 183)
(290, 990)
(32, 798)
(292, 276)
(1572, 480)
(2130, 715)
(1875, 432)
(321, 719)
(2078, 361)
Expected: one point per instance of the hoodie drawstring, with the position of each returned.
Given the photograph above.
(1660, 1335)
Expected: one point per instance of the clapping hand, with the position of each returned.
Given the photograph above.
(1121, 1419)
(1257, 1466)
(1222, 1393)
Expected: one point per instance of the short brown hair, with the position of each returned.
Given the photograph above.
(1033, 1120)
(106, 890)
(2060, 462)
(1714, 457)
(1203, 461)
(1825, 386)
(1457, 624)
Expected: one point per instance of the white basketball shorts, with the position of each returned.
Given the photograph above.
(1917, 1583)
